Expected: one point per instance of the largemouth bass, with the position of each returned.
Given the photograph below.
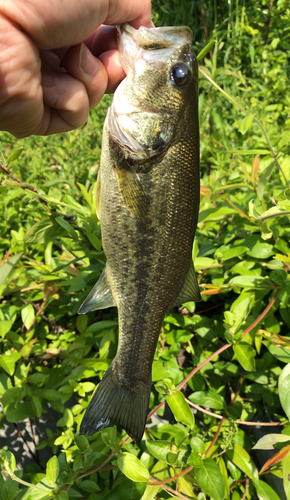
(148, 202)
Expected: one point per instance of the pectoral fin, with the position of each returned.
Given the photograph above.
(100, 297)
(190, 290)
(132, 193)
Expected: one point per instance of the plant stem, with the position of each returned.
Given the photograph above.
(271, 216)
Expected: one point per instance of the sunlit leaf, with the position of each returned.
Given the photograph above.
(133, 468)
(284, 389)
(210, 479)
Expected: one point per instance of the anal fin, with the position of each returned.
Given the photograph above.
(100, 296)
(190, 290)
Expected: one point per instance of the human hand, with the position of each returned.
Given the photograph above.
(58, 58)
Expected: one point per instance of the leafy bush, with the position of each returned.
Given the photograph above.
(222, 365)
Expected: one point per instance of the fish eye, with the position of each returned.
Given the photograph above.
(180, 74)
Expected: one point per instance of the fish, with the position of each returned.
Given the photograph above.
(147, 202)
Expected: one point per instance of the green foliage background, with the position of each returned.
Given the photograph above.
(232, 350)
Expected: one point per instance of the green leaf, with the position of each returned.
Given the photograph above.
(52, 470)
(210, 479)
(284, 389)
(245, 124)
(67, 227)
(10, 461)
(5, 327)
(185, 487)
(62, 495)
(245, 355)
(266, 232)
(9, 266)
(164, 451)
(133, 468)
(253, 212)
(261, 250)
(85, 193)
(94, 240)
(158, 371)
(67, 420)
(81, 442)
(21, 412)
(180, 409)
(265, 492)
(28, 315)
(285, 139)
(159, 449)
(224, 471)
(267, 442)
(243, 461)
(51, 395)
(8, 362)
(101, 325)
(33, 494)
(205, 50)
(82, 322)
(43, 231)
(131, 490)
(195, 460)
(264, 179)
(158, 473)
(89, 486)
(14, 155)
(209, 398)
(234, 252)
(36, 404)
(109, 435)
(286, 476)
(71, 202)
(164, 386)
(249, 281)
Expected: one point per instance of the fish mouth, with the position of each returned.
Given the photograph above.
(155, 45)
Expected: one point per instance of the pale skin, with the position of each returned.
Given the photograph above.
(58, 58)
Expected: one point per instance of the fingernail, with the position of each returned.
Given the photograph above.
(87, 61)
(49, 79)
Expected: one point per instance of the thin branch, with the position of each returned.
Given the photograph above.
(170, 479)
(26, 443)
(266, 310)
(240, 422)
(174, 493)
(6, 171)
(246, 489)
(243, 214)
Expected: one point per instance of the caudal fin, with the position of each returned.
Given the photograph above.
(115, 403)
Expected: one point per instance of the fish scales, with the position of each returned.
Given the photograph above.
(148, 208)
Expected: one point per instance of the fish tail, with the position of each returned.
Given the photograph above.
(115, 402)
